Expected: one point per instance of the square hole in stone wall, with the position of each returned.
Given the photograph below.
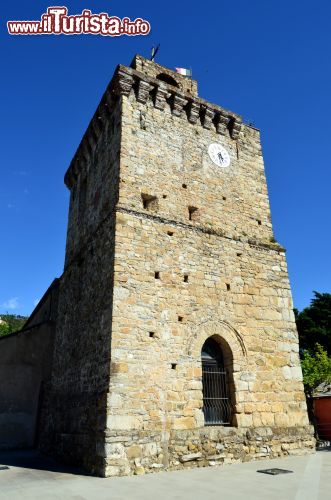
(150, 202)
(193, 213)
(180, 319)
(185, 278)
(173, 366)
(228, 286)
(152, 334)
(170, 233)
(157, 275)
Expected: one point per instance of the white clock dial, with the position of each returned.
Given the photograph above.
(219, 155)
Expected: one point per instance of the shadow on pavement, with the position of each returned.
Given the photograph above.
(324, 449)
(32, 459)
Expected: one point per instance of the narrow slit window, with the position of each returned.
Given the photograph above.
(185, 278)
(192, 213)
(228, 287)
(157, 275)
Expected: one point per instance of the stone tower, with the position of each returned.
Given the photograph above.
(170, 244)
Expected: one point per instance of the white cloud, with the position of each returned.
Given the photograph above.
(10, 205)
(12, 303)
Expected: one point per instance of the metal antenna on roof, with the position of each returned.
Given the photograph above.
(154, 52)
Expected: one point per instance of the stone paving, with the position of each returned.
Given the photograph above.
(32, 477)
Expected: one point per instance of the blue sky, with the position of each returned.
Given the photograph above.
(268, 61)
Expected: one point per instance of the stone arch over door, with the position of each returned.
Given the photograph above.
(234, 349)
(222, 330)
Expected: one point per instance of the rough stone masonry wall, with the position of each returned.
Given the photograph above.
(236, 289)
(74, 414)
(141, 164)
(140, 452)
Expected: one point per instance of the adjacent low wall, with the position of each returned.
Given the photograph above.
(25, 364)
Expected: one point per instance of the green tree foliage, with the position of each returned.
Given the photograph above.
(316, 369)
(314, 323)
(4, 329)
(11, 323)
(314, 329)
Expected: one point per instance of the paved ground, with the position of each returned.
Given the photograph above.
(30, 477)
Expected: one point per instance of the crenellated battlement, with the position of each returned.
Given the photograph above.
(179, 98)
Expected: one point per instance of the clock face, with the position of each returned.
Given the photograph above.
(219, 155)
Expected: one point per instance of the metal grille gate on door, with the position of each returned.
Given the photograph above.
(216, 402)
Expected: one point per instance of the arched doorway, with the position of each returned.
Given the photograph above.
(217, 407)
